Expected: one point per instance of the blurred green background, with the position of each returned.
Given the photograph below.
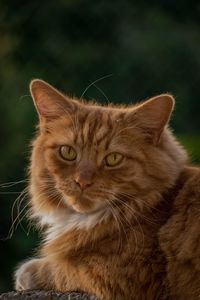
(142, 48)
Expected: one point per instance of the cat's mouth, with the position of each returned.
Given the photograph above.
(84, 204)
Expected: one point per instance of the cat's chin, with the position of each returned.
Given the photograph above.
(84, 205)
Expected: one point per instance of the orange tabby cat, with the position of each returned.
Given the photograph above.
(119, 207)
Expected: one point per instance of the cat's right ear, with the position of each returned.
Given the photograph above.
(49, 102)
(152, 116)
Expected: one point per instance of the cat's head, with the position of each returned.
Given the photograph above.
(87, 157)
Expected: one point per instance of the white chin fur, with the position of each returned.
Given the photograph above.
(58, 222)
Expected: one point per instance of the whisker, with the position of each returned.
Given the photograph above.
(12, 183)
(118, 225)
(95, 81)
(137, 221)
(101, 91)
(22, 194)
(146, 204)
(14, 225)
(137, 212)
(9, 193)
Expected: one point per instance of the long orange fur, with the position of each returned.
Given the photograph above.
(128, 232)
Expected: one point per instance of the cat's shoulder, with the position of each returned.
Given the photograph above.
(188, 187)
(189, 172)
(186, 193)
(180, 236)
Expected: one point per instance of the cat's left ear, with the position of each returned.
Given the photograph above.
(153, 115)
(49, 102)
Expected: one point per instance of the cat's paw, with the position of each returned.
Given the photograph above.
(25, 276)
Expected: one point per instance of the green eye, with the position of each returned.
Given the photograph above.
(67, 152)
(113, 159)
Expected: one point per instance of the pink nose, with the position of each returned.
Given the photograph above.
(82, 183)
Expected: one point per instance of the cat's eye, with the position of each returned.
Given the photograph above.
(113, 159)
(67, 152)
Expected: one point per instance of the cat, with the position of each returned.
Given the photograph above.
(118, 203)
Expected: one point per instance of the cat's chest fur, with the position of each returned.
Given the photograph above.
(126, 254)
(130, 261)
(137, 255)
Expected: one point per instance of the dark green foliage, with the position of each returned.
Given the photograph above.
(143, 48)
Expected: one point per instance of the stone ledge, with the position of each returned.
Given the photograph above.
(46, 295)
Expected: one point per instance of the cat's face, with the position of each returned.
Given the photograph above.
(93, 158)
(90, 157)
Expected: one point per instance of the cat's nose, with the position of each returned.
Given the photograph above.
(83, 183)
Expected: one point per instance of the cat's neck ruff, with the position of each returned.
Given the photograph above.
(59, 223)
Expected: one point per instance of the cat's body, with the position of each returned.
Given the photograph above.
(180, 238)
(111, 187)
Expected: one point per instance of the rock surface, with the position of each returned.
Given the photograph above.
(45, 295)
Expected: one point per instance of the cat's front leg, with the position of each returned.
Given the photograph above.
(29, 276)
